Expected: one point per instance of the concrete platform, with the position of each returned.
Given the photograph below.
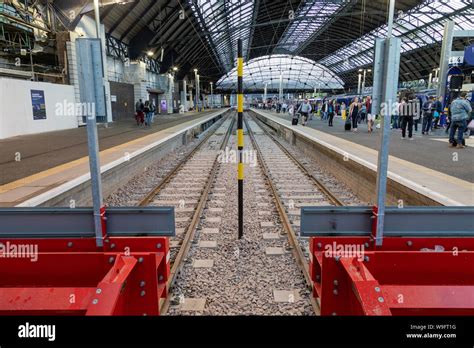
(431, 151)
(452, 184)
(41, 154)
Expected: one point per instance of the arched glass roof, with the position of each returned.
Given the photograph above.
(296, 73)
(224, 22)
(419, 27)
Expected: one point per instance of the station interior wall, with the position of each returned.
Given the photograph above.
(16, 110)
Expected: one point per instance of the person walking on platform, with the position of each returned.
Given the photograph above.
(370, 117)
(437, 112)
(343, 111)
(139, 116)
(331, 111)
(324, 110)
(362, 112)
(354, 113)
(152, 111)
(407, 112)
(460, 109)
(395, 117)
(427, 116)
(417, 114)
(146, 110)
(304, 110)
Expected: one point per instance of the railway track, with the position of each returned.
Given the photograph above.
(256, 275)
(293, 186)
(212, 272)
(186, 187)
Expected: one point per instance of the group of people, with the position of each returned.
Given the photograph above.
(144, 113)
(359, 111)
(458, 115)
(408, 114)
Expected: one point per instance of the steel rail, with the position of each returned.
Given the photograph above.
(295, 247)
(330, 196)
(152, 194)
(186, 244)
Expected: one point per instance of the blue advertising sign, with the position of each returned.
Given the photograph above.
(38, 104)
(469, 55)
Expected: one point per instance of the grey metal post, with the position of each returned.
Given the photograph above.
(183, 96)
(190, 94)
(198, 91)
(85, 55)
(359, 83)
(280, 94)
(212, 96)
(97, 18)
(170, 92)
(389, 93)
(265, 93)
(445, 55)
(430, 80)
(391, 15)
(363, 80)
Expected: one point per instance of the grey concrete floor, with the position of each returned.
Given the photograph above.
(39, 152)
(431, 151)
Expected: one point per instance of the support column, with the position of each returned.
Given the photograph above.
(359, 83)
(280, 94)
(183, 96)
(198, 92)
(170, 93)
(212, 96)
(445, 55)
(190, 95)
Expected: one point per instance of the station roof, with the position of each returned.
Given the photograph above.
(296, 73)
(337, 33)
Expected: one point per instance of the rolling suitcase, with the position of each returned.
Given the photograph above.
(347, 125)
(294, 121)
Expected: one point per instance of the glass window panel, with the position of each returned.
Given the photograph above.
(420, 26)
(301, 29)
(296, 72)
(225, 21)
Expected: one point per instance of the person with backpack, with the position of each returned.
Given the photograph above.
(460, 109)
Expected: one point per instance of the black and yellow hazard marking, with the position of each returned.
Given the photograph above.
(240, 135)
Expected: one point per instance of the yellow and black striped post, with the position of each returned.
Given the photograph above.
(240, 134)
